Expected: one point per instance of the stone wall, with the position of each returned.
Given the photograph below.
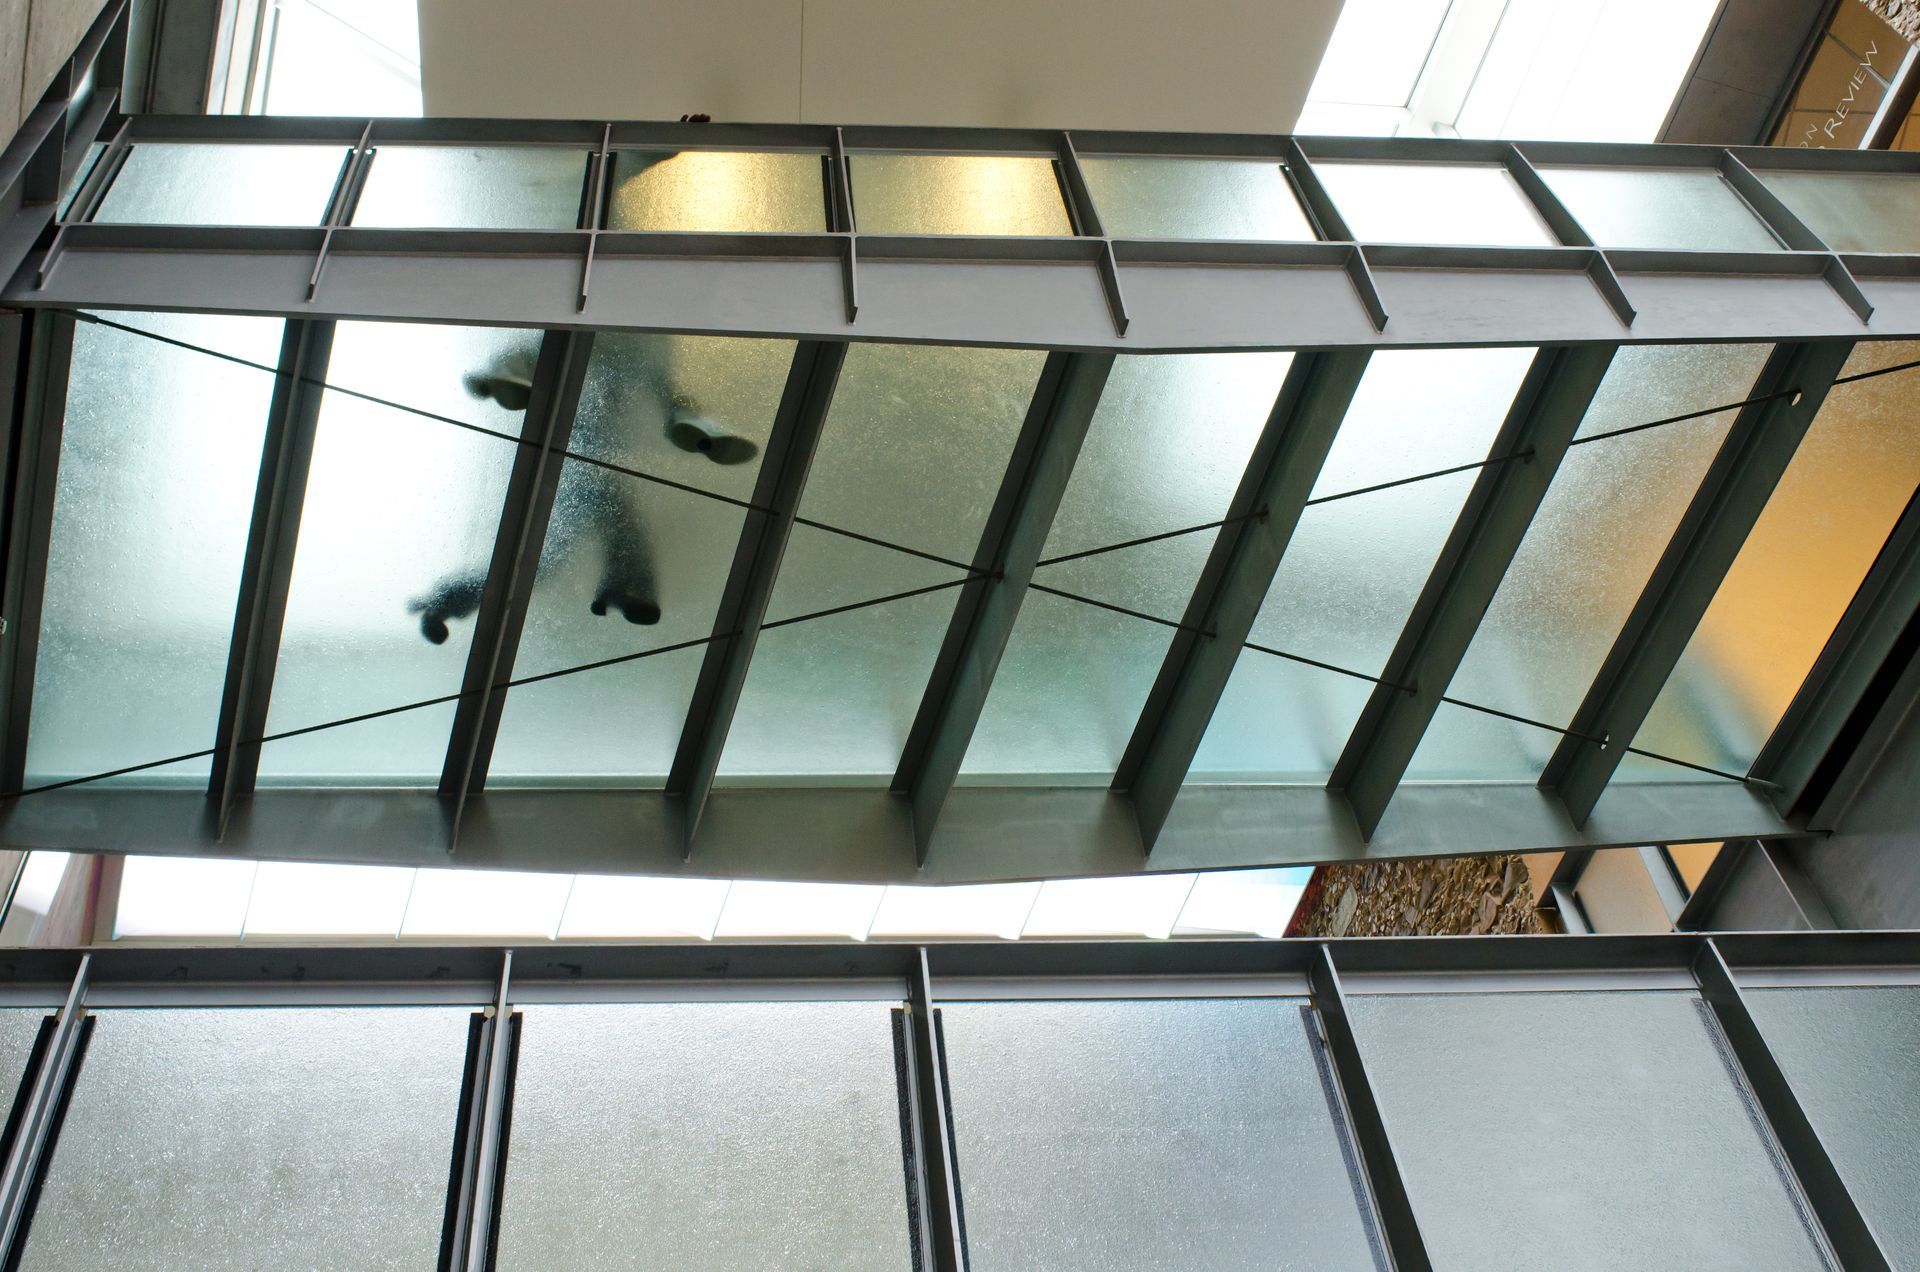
(1428, 897)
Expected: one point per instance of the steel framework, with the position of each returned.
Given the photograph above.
(495, 981)
(1083, 298)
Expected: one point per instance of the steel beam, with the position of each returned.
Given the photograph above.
(934, 1122)
(1233, 585)
(46, 363)
(1063, 404)
(26, 1156)
(1392, 1206)
(756, 562)
(1545, 414)
(1758, 446)
(477, 1195)
(1869, 648)
(559, 373)
(267, 571)
(1847, 1229)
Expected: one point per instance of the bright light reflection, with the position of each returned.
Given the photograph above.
(40, 879)
(300, 899)
(1137, 905)
(485, 903)
(182, 897)
(800, 909)
(1377, 52)
(986, 909)
(1258, 901)
(614, 905)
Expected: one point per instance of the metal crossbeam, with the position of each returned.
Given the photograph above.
(1392, 1205)
(559, 373)
(1758, 446)
(1063, 404)
(1546, 413)
(267, 570)
(46, 361)
(1233, 585)
(756, 562)
(1846, 1228)
(1870, 647)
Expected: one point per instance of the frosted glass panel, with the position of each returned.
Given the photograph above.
(473, 187)
(710, 1136)
(1166, 450)
(716, 191)
(956, 194)
(1136, 1136)
(1829, 517)
(1659, 208)
(1647, 1154)
(1355, 566)
(1854, 211)
(396, 535)
(158, 460)
(168, 184)
(913, 452)
(651, 558)
(210, 1140)
(1194, 199)
(1433, 203)
(19, 1026)
(1865, 1106)
(1609, 514)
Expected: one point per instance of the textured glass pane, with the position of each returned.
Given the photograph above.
(913, 452)
(167, 184)
(1433, 203)
(183, 896)
(716, 191)
(1829, 516)
(158, 460)
(982, 909)
(396, 535)
(956, 194)
(18, 1028)
(1355, 566)
(1645, 1154)
(253, 1138)
(1855, 211)
(1607, 517)
(615, 905)
(756, 909)
(1165, 451)
(473, 187)
(652, 559)
(485, 903)
(1147, 1136)
(1853, 1057)
(706, 1137)
(1194, 199)
(1659, 208)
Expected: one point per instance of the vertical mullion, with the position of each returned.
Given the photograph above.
(547, 428)
(1398, 1225)
(34, 452)
(934, 1115)
(484, 1121)
(26, 1155)
(1833, 1204)
(260, 611)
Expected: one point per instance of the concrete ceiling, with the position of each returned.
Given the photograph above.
(1198, 65)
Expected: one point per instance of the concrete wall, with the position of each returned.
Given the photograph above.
(36, 39)
(1746, 65)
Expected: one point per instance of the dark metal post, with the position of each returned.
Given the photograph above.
(1398, 1225)
(50, 1082)
(1506, 493)
(1730, 499)
(1043, 458)
(1847, 1229)
(285, 456)
(756, 563)
(48, 360)
(1232, 587)
(559, 373)
(935, 1120)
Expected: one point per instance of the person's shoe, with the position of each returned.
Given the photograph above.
(639, 610)
(704, 437)
(510, 392)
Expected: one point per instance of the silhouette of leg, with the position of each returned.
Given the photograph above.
(455, 596)
(626, 578)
